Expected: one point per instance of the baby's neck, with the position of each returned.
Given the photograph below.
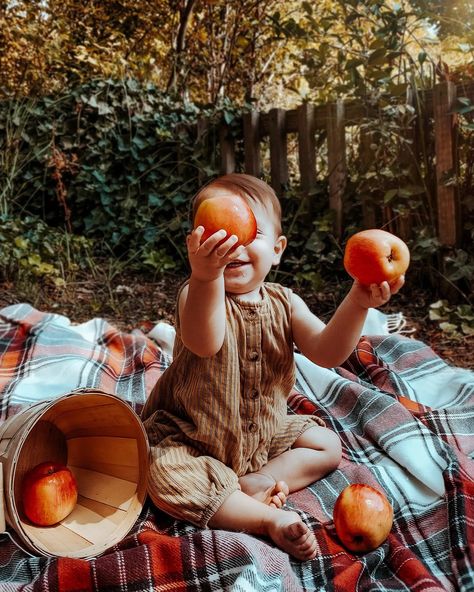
(252, 296)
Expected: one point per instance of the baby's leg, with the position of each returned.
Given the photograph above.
(314, 454)
(241, 512)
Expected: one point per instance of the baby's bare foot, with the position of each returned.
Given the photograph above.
(264, 488)
(291, 534)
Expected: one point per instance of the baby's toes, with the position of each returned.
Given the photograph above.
(278, 500)
(308, 549)
(297, 530)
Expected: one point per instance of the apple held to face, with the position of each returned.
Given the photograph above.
(363, 517)
(374, 256)
(227, 212)
(49, 493)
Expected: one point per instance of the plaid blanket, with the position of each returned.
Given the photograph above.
(406, 421)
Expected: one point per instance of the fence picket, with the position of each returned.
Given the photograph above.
(444, 97)
(278, 150)
(251, 122)
(366, 157)
(437, 102)
(306, 147)
(227, 150)
(336, 139)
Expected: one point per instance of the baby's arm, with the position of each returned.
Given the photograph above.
(202, 301)
(330, 345)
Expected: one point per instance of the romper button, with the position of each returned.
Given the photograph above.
(253, 355)
(254, 394)
(253, 427)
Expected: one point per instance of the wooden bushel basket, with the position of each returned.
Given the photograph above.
(102, 440)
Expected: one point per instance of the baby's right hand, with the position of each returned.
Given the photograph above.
(208, 259)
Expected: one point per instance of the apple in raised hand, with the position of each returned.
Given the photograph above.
(227, 212)
(363, 517)
(49, 493)
(374, 256)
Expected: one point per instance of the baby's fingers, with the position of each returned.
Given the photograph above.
(211, 243)
(235, 254)
(380, 292)
(226, 248)
(397, 284)
(193, 240)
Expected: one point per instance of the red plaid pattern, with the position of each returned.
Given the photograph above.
(373, 402)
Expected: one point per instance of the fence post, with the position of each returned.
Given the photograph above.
(306, 147)
(366, 157)
(336, 160)
(404, 220)
(445, 130)
(252, 143)
(203, 141)
(278, 149)
(227, 150)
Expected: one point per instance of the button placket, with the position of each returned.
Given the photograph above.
(252, 379)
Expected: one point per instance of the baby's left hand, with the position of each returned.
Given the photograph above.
(376, 294)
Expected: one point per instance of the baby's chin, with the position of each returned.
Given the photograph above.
(244, 292)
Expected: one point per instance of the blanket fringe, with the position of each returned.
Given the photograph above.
(397, 323)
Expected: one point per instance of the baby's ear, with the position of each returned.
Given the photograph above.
(279, 247)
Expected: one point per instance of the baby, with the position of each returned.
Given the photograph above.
(225, 453)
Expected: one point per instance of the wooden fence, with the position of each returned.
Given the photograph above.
(437, 103)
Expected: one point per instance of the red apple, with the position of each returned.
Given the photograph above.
(374, 256)
(228, 212)
(49, 493)
(363, 517)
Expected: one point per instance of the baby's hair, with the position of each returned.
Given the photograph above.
(250, 188)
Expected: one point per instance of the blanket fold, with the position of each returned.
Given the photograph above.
(406, 422)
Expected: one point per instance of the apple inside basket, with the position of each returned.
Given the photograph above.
(102, 441)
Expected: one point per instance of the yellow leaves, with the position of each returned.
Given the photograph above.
(21, 243)
(302, 87)
(313, 49)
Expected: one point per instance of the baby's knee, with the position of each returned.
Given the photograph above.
(333, 449)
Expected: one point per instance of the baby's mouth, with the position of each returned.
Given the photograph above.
(235, 264)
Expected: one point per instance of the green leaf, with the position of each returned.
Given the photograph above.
(409, 190)
(378, 57)
(104, 109)
(389, 195)
(439, 304)
(99, 176)
(448, 327)
(467, 329)
(155, 200)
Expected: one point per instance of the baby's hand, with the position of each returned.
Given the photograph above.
(208, 259)
(376, 294)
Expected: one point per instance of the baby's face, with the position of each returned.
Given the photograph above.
(246, 275)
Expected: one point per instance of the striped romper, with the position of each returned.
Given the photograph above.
(212, 420)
